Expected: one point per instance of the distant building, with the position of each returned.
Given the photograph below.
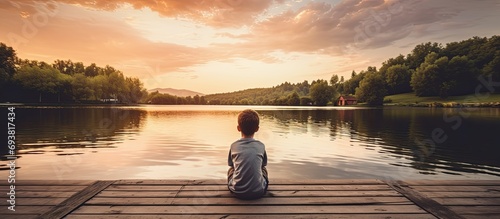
(345, 100)
(111, 100)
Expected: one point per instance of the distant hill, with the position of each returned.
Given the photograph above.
(277, 95)
(176, 92)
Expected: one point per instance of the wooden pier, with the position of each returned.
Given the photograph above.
(342, 198)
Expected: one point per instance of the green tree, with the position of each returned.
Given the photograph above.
(202, 100)
(419, 53)
(41, 80)
(321, 93)
(98, 85)
(399, 60)
(107, 70)
(196, 99)
(493, 67)
(371, 89)
(349, 87)
(460, 76)
(81, 88)
(334, 80)
(92, 70)
(427, 80)
(135, 90)
(294, 99)
(7, 63)
(398, 79)
(180, 100)
(188, 100)
(64, 66)
(116, 85)
(78, 67)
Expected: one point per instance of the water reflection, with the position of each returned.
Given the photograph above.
(407, 133)
(76, 127)
(192, 142)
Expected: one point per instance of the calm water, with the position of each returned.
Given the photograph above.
(191, 142)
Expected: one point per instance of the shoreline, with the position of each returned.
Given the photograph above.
(447, 105)
(416, 105)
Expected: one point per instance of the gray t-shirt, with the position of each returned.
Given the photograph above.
(247, 156)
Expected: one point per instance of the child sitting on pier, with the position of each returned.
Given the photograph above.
(247, 174)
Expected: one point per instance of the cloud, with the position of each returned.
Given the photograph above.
(217, 13)
(93, 38)
(320, 27)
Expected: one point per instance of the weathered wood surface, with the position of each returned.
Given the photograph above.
(423, 201)
(73, 202)
(344, 198)
(470, 199)
(35, 197)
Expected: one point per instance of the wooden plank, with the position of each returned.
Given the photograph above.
(263, 201)
(226, 193)
(35, 201)
(24, 216)
(25, 210)
(272, 182)
(60, 188)
(462, 194)
(453, 182)
(271, 187)
(304, 209)
(40, 194)
(490, 210)
(171, 182)
(326, 182)
(239, 216)
(469, 201)
(20, 182)
(470, 188)
(481, 216)
(424, 202)
(76, 200)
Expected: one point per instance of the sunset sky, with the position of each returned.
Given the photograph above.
(228, 45)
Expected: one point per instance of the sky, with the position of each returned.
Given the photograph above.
(229, 45)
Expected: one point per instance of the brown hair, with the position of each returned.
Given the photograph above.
(248, 120)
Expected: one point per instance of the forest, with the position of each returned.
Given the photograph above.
(430, 69)
(31, 81)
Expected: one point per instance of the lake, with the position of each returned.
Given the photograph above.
(192, 142)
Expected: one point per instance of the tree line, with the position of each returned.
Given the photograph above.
(431, 69)
(319, 92)
(168, 99)
(24, 80)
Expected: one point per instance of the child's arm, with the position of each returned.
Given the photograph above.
(229, 160)
(264, 160)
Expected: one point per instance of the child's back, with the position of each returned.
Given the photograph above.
(247, 175)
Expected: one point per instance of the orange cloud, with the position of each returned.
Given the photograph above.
(217, 13)
(90, 37)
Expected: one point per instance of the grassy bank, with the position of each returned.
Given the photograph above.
(409, 99)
